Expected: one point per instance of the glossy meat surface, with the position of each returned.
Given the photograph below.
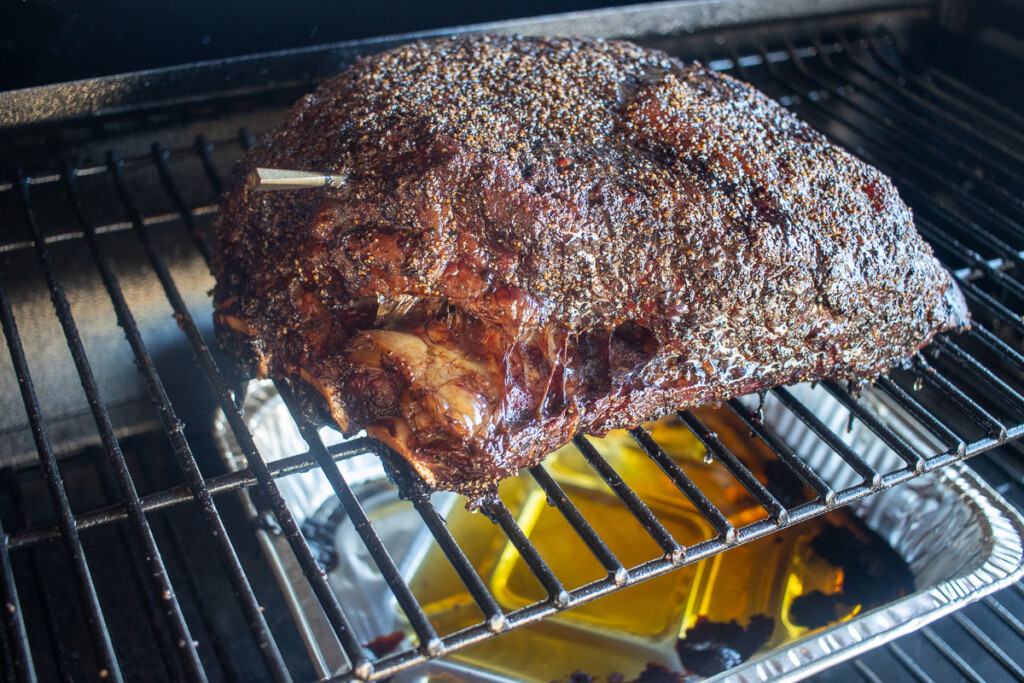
(546, 236)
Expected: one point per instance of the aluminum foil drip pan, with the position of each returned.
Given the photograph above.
(960, 539)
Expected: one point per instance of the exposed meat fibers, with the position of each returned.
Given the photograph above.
(546, 236)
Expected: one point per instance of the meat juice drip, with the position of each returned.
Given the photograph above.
(622, 632)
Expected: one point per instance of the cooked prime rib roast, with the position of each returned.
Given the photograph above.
(540, 237)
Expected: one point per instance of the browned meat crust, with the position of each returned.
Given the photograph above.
(543, 236)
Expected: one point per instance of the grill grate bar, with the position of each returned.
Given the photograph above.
(998, 191)
(174, 429)
(711, 513)
(871, 476)
(899, 159)
(130, 161)
(932, 213)
(580, 525)
(928, 110)
(717, 449)
(499, 514)
(57, 651)
(907, 661)
(381, 557)
(220, 648)
(986, 642)
(951, 218)
(1005, 615)
(990, 122)
(311, 570)
(884, 95)
(204, 148)
(881, 430)
(98, 631)
(16, 649)
(159, 581)
(200, 239)
(176, 495)
(1002, 315)
(922, 415)
(979, 415)
(936, 235)
(910, 158)
(866, 673)
(981, 373)
(630, 499)
(160, 156)
(109, 228)
(414, 488)
(786, 455)
(827, 114)
(898, 119)
(995, 345)
(162, 637)
(192, 583)
(470, 578)
(972, 95)
(1006, 256)
(950, 654)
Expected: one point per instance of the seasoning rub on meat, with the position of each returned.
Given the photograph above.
(539, 237)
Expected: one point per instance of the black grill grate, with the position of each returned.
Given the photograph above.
(955, 155)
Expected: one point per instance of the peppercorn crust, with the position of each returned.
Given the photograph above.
(545, 236)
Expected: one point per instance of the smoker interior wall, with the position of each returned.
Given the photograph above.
(55, 41)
